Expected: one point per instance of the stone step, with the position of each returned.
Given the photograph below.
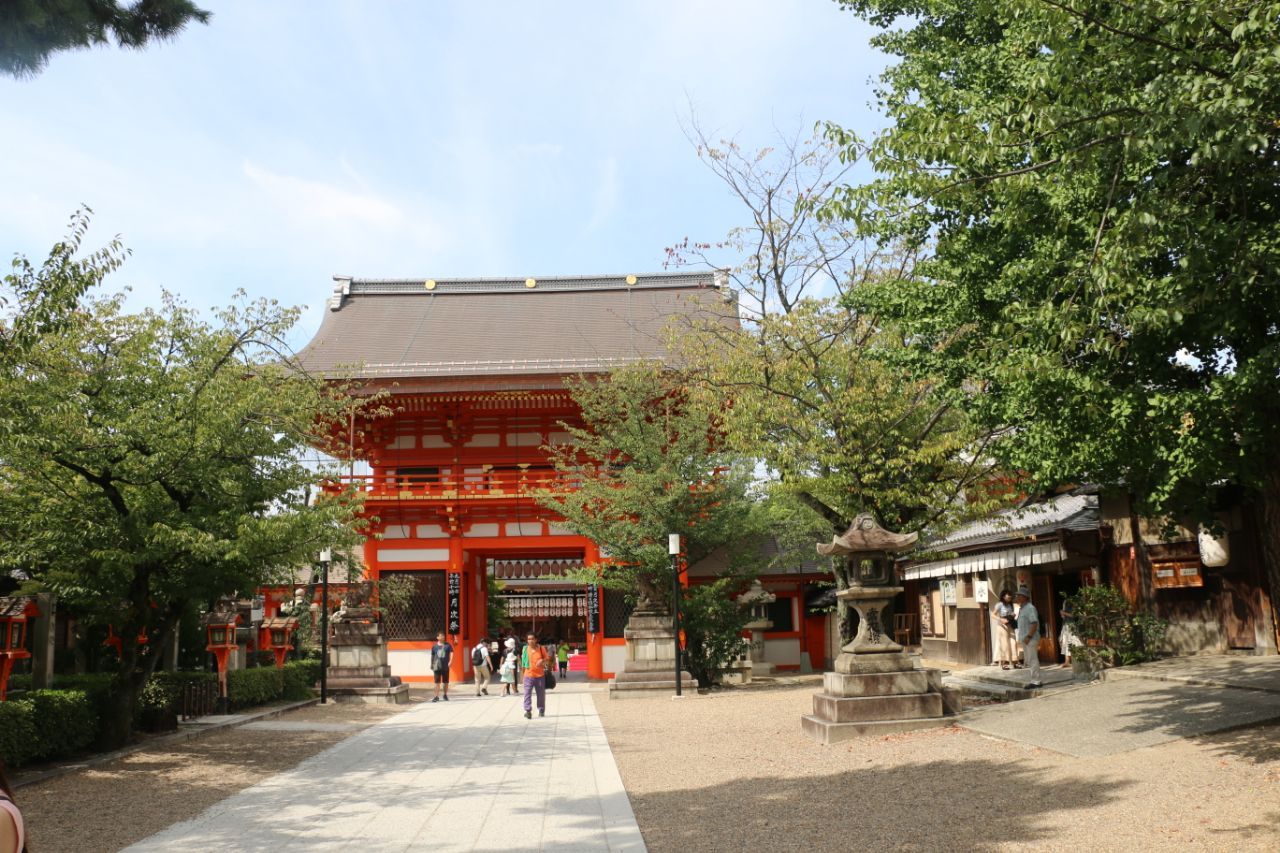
(825, 731)
(627, 676)
(850, 709)
(1015, 677)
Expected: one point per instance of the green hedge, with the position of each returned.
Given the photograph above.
(18, 742)
(66, 720)
(257, 686)
(299, 678)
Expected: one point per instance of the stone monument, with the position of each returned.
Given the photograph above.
(758, 599)
(875, 688)
(358, 669)
(651, 656)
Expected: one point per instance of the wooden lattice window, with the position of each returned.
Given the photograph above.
(424, 616)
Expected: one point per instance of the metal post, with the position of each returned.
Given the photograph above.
(325, 556)
(673, 548)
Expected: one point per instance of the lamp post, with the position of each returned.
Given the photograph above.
(673, 548)
(325, 556)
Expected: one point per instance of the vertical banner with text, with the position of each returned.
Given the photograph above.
(455, 603)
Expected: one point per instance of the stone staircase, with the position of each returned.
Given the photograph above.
(986, 685)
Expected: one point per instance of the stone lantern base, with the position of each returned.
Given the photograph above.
(358, 669)
(651, 661)
(875, 688)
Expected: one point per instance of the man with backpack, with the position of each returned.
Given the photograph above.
(441, 657)
(483, 668)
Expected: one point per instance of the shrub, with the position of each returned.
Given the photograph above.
(1111, 631)
(257, 686)
(299, 676)
(66, 721)
(18, 742)
(713, 624)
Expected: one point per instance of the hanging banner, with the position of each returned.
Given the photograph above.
(455, 603)
(593, 610)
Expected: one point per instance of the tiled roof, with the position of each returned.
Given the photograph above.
(1065, 512)
(399, 328)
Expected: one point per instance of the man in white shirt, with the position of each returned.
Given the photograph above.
(483, 669)
(1029, 634)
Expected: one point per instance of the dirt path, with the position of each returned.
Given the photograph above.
(110, 807)
(733, 771)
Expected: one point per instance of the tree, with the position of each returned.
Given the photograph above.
(32, 30)
(814, 388)
(1099, 184)
(646, 464)
(155, 460)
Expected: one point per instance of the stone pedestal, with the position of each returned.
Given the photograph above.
(651, 660)
(875, 689)
(358, 669)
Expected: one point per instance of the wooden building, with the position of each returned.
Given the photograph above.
(475, 369)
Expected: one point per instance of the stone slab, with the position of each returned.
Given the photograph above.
(856, 709)
(828, 732)
(851, 664)
(397, 695)
(1119, 715)
(465, 775)
(875, 684)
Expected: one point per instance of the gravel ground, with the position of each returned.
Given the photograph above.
(733, 771)
(109, 807)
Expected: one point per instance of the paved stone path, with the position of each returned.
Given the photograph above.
(1124, 713)
(470, 774)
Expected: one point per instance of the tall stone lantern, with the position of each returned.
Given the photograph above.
(758, 600)
(875, 687)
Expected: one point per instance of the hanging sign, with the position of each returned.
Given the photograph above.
(593, 609)
(455, 603)
(981, 592)
(948, 587)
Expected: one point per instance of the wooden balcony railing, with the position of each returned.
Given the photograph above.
(475, 486)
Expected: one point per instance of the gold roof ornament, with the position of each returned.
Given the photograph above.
(866, 536)
(530, 282)
(429, 284)
(631, 279)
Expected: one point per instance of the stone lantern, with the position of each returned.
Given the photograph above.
(758, 599)
(875, 688)
(15, 613)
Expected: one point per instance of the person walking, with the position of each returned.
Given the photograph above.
(13, 836)
(1067, 636)
(1029, 634)
(507, 672)
(441, 657)
(480, 664)
(562, 655)
(1006, 622)
(536, 660)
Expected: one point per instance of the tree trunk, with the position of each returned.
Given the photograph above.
(1268, 523)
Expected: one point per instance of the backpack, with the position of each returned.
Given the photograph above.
(477, 657)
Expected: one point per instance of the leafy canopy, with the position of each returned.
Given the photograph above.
(1098, 185)
(33, 30)
(647, 463)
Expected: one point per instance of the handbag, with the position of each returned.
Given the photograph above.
(551, 680)
(548, 670)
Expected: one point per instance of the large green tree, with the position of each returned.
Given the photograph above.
(812, 386)
(153, 461)
(1099, 185)
(646, 463)
(32, 30)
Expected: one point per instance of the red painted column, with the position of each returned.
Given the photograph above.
(595, 642)
(461, 658)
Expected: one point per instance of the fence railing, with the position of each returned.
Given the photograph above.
(198, 699)
(478, 485)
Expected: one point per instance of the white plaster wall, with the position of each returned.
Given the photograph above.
(431, 531)
(524, 439)
(614, 657)
(409, 661)
(524, 528)
(412, 555)
(782, 651)
(433, 440)
(481, 530)
(484, 439)
(395, 531)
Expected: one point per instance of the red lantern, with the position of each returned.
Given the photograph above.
(220, 626)
(14, 614)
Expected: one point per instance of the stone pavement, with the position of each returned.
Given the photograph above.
(1124, 713)
(470, 774)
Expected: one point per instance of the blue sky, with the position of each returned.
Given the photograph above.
(288, 140)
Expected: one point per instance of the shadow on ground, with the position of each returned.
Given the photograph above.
(955, 805)
(1241, 723)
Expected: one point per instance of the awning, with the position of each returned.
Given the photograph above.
(1031, 554)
